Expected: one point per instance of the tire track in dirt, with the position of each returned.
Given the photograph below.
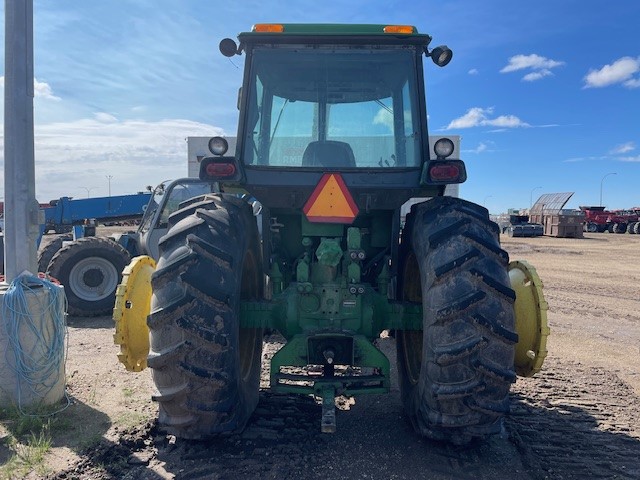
(576, 422)
(571, 422)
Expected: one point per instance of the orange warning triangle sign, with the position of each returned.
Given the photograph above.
(331, 201)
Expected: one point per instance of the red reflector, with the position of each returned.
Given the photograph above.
(221, 170)
(444, 172)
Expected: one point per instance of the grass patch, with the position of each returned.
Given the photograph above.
(127, 420)
(28, 440)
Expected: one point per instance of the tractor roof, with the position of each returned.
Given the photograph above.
(334, 32)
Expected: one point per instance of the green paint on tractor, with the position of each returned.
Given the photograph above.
(349, 101)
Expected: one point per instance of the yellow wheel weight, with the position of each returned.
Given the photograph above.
(133, 305)
(531, 318)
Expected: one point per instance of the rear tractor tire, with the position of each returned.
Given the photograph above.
(636, 228)
(456, 373)
(631, 228)
(205, 367)
(90, 270)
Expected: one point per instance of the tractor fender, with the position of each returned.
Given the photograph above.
(132, 306)
(530, 318)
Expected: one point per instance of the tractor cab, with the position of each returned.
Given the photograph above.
(334, 98)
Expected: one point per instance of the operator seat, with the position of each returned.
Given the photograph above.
(328, 153)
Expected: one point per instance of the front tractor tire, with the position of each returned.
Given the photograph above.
(456, 373)
(90, 269)
(205, 367)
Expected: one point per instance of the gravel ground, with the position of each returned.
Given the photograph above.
(578, 418)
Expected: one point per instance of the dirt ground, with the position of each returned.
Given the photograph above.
(578, 418)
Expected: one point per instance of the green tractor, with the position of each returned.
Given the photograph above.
(332, 141)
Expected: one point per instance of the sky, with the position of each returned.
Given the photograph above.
(545, 94)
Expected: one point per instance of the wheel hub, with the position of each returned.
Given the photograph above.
(531, 318)
(93, 277)
(132, 306)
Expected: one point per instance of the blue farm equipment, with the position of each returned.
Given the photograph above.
(66, 212)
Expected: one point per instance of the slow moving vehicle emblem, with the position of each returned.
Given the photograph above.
(331, 201)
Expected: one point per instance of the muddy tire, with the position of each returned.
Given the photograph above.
(90, 270)
(636, 228)
(46, 253)
(456, 373)
(205, 367)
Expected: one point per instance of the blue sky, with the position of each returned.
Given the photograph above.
(545, 94)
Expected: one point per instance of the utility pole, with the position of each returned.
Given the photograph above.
(109, 177)
(30, 374)
(88, 189)
(21, 208)
(531, 198)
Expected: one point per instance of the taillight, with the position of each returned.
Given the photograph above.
(442, 173)
(218, 168)
(221, 170)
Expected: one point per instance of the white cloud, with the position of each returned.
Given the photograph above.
(482, 147)
(620, 71)
(533, 61)
(541, 66)
(473, 71)
(40, 89)
(384, 117)
(623, 148)
(533, 76)
(506, 121)
(632, 83)
(479, 117)
(104, 117)
(73, 156)
(43, 90)
(635, 159)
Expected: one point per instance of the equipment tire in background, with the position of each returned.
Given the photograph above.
(631, 227)
(455, 374)
(205, 367)
(619, 228)
(636, 228)
(90, 269)
(46, 253)
(591, 227)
